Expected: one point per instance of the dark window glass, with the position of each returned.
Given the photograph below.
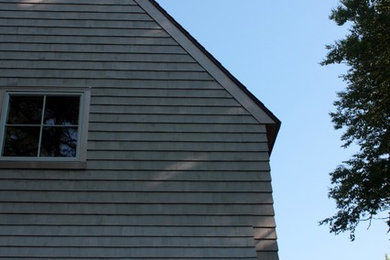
(27, 134)
(59, 142)
(25, 109)
(62, 110)
(21, 141)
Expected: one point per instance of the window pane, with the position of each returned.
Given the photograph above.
(62, 110)
(25, 109)
(21, 141)
(59, 142)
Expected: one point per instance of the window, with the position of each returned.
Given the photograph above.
(44, 127)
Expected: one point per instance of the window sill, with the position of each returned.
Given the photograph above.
(42, 165)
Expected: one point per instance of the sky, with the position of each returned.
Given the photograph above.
(274, 48)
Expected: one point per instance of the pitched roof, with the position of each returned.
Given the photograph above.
(215, 68)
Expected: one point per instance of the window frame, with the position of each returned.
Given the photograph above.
(78, 162)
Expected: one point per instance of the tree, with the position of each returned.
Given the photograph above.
(361, 185)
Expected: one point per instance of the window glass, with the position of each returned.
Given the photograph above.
(59, 142)
(42, 126)
(21, 141)
(62, 110)
(25, 109)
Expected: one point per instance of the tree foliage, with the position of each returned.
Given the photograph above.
(361, 185)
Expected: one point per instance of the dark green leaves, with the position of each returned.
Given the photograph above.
(361, 186)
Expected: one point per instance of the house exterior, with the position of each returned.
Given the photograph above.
(123, 138)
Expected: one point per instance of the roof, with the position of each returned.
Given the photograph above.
(175, 29)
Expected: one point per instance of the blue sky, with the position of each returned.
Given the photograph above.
(274, 49)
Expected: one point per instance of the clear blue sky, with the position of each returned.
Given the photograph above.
(274, 48)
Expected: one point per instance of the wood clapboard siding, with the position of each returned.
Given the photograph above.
(133, 219)
(77, 31)
(125, 241)
(178, 127)
(131, 197)
(191, 110)
(71, 7)
(96, 56)
(93, 74)
(140, 209)
(50, 22)
(177, 168)
(119, 83)
(183, 156)
(105, 175)
(86, 48)
(177, 146)
(152, 186)
(125, 231)
(168, 101)
(178, 137)
(75, 14)
(166, 93)
(93, 40)
(121, 66)
(75, 2)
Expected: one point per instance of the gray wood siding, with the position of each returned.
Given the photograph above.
(177, 168)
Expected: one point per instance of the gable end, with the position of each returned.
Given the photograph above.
(254, 106)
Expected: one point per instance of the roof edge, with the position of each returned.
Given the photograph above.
(272, 127)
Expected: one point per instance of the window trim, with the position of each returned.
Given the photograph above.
(78, 162)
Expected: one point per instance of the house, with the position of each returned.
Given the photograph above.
(123, 138)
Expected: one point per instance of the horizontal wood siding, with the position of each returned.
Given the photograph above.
(177, 168)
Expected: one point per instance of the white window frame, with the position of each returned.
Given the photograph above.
(77, 162)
